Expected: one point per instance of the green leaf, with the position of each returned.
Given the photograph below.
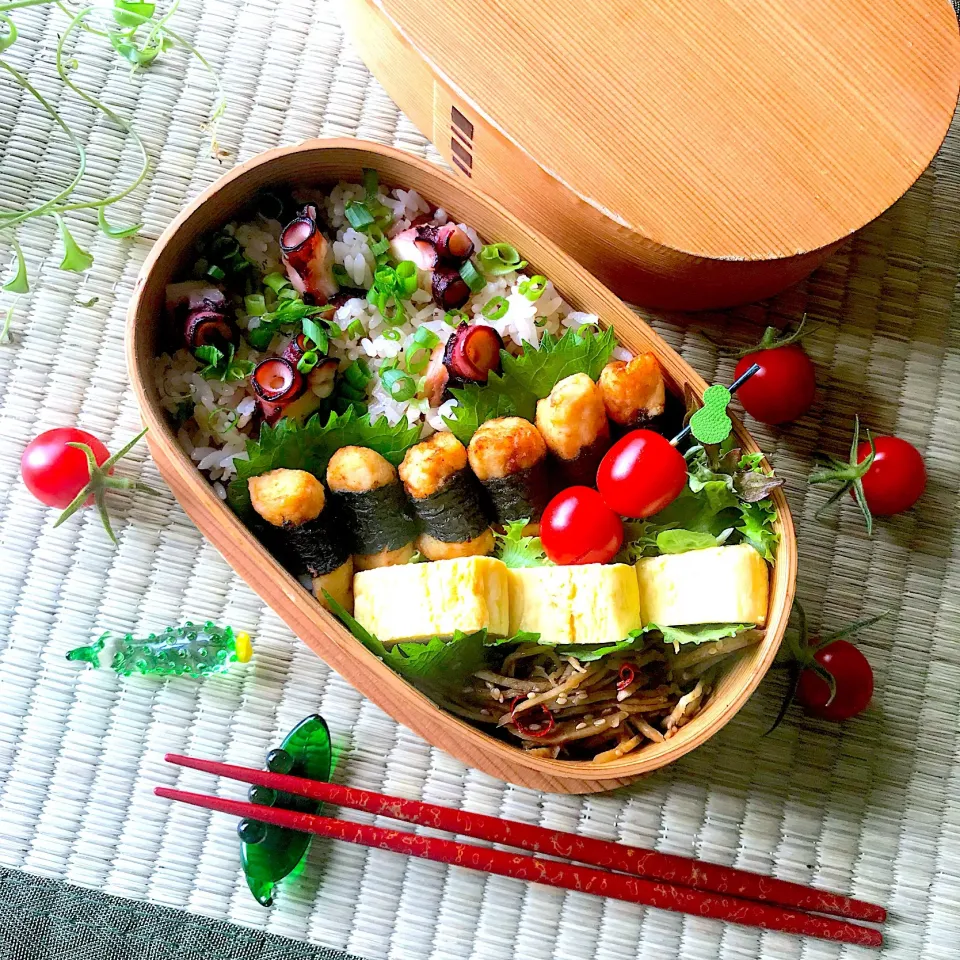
(712, 508)
(311, 445)
(316, 334)
(75, 258)
(699, 633)
(477, 403)
(210, 355)
(527, 378)
(577, 351)
(521, 636)
(588, 652)
(431, 664)
(682, 541)
(756, 527)
(19, 282)
(116, 233)
(517, 550)
(139, 10)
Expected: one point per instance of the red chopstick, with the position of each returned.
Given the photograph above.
(645, 864)
(552, 873)
(648, 864)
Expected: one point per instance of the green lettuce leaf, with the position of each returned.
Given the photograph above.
(683, 541)
(311, 445)
(756, 527)
(516, 550)
(521, 636)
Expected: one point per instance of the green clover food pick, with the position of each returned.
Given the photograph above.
(710, 424)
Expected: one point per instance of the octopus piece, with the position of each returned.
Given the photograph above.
(450, 290)
(308, 256)
(277, 383)
(201, 308)
(472, 353)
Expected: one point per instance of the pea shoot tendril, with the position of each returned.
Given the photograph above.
(139, 35)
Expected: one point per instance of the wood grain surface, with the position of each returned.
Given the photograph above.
(325, 162)
(690, 155)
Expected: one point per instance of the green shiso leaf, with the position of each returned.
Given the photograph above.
(311, 445)
(517, 550)
(528, 378)
(577, 351)
(700, 633)
(430, 664)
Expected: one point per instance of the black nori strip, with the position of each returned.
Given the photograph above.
(456, 512)
(376, 519)
(520, 496)
(582, 469)
(320, 543)
(668, 424)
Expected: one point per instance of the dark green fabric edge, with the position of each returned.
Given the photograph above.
(44, 919)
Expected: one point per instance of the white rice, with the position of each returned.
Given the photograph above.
(215, 436)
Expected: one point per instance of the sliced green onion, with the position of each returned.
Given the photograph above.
(308, 361)
(355, 394)
(357, 374)
(371, 183)
(406, 274)
(355, 330)
(224, 247)
(288, 293)
(418, 352)
(453, 318)
(497, 259)
(392, 334)
(276, 282)
(358, 215)
(533, 288)
(269, 206)
(255, 305)
(385, 278)
(472, 277)
(399, 385)
(335, 329)
(316, 334)
(378, 241)
(341, 277)
(495, 309)
(215, 272)
(394, 316)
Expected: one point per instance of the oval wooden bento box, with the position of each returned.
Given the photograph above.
(326, 161)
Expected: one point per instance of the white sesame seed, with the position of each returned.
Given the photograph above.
(599, 722)
(581, 726)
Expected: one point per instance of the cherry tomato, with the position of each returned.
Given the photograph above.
(578, 527)
(852, 674)
(896, 478)
(55, 473)
(782, 389)
(641, 474)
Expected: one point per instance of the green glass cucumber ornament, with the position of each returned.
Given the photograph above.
(192, 650)
(270, 853)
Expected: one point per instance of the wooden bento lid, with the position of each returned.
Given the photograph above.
(732, 131)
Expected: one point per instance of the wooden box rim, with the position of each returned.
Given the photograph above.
(314, 625)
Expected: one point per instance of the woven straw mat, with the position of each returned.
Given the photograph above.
(870, 807)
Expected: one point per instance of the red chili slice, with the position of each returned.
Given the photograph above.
(627, 676)
(540, 716)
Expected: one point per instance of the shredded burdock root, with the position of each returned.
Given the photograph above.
(557, 706)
